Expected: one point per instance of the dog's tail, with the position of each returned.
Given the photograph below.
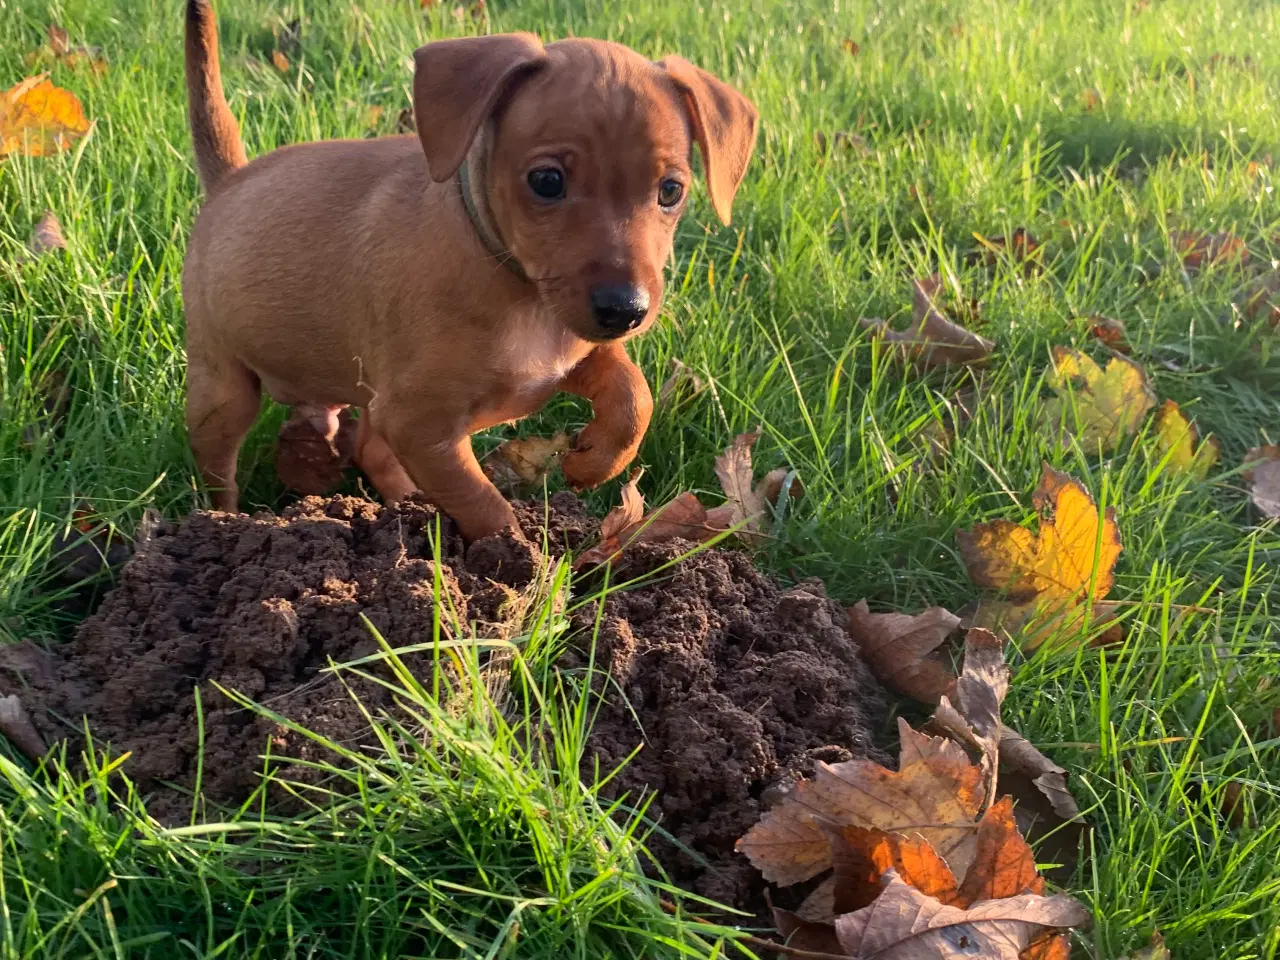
(214, 132)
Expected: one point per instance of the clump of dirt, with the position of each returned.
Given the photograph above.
(260, 605)
(732, 685)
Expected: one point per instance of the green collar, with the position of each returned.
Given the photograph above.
(471, 185)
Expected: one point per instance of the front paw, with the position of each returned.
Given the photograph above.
(594, 461)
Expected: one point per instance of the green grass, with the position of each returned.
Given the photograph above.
(976, 118)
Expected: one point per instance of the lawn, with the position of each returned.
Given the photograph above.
(1101, 128)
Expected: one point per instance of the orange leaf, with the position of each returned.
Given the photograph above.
(1199, 250)
(683, 517)
(39, 119)
(861, 857)
(1054, 946)
(936, 793)
(1003, 864)
(280, 60)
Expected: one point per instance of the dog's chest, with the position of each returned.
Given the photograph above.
(529, 370)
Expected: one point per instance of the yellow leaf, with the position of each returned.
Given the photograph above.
(39, 119)
(532, 458)
(1108, 405)
(1048, 576)
(1178, 437)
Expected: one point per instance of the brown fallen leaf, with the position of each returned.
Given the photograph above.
(1003, 864)
(16, 725)
(1155, 950)
(682, 378)
(851, 46)
(1020, 246)
(280, 61)
(47, 235)
(1177, 438)
(1048, 578)
(532, 458)
(1022, 757)
(1109, 332)
(900, 649)
(905, 924)
(59, 51)
(1263, 476)
(936, 792)
(308, 461)
(933, 339)
(683, 517)
(1200, 250)
(1261, 298)
(748, 503)
(1099, 407)
(289, 38)
(861, 857)
(39, 119)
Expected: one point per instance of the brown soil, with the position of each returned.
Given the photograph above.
(733, 684)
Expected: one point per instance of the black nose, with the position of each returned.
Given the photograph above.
(619, 307)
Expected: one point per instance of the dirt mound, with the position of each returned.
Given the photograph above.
(734, 685)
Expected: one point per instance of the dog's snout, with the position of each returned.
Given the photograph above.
(619, 307)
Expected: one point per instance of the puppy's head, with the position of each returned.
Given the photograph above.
(586, 149)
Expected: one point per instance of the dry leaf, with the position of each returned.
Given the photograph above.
(280, 61)
(1003, 864)
(59, 51)
(47, 235)
(1109, 332)
(1263, 476)
(932, 340)
(1261, 298)
(289, 38)
(851, 46)
(904, 924)
(897, 647)
(1100, 407)
(681, 376)
(629, 511)
(39, 119)
(1047, 577)
(1020, 246)
(683, 517)
(1155, 950)
(1017, 753)
(1199, 250)
(15, 723)
(748, 503)
(936, 793)
(861, 857)
(1090, 98)
(532, 458)
(1179, 439)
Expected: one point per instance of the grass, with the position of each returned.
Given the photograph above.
(1100, 127)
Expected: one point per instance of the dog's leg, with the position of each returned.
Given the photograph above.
(223, 399)
(447, 472)
(374, 457)
(622, 406)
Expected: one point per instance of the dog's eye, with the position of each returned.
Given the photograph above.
(547, 183)
(670, 192)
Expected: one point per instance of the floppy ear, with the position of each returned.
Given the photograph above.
(724, 124)
(456, 84)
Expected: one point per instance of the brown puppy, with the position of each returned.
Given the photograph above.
(455, 280)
